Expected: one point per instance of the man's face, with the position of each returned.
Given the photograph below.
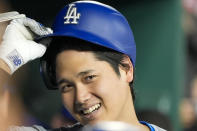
(91, 90)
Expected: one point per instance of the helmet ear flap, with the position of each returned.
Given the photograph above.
(46, 73)
(45, 69)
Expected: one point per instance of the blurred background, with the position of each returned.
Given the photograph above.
(166, 71)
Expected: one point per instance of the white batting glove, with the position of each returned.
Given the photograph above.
(18, 47)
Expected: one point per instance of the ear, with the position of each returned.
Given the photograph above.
(127, 66)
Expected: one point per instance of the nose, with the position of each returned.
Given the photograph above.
(82, 94)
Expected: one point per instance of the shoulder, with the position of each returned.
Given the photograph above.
(75, 127)
(151, 126)
(23, 128)
(157, 128)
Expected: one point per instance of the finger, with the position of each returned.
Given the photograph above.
(36, 50)
(35, 27)
(10, 16)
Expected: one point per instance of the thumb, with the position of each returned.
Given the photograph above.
(36, 50)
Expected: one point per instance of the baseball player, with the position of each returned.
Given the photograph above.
(89, 56)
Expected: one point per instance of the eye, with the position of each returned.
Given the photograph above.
(90, 78)
(65, 88)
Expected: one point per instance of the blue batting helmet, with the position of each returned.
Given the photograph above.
(96, 23)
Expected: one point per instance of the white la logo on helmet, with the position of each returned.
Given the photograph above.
(72, 14)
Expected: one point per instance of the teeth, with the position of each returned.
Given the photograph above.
(91, 109)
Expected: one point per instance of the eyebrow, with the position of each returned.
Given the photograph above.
(63, 81)
(82, 73)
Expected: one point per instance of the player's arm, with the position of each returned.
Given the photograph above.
(4, 74)
(16, 49)
(17, 46)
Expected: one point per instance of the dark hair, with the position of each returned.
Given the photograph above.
(59, 44)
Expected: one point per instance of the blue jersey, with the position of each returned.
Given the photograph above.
(152, 127)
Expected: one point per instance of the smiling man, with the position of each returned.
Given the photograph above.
(90, 58)
(91, 87)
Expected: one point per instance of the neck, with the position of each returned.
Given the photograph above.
(129, 116)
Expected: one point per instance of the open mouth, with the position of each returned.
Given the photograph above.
(91, 109)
